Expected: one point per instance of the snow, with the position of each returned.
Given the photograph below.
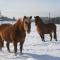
(34, 48)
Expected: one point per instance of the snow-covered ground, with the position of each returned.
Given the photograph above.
(34, 48)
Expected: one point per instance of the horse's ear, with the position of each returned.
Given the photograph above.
(24, 17)
(34, 16)
(30, 17)
(38, 16)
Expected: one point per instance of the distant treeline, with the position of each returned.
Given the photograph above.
(55, 20)
(3, 18)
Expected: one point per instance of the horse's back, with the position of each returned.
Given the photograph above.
(51, 25)
(3, 26)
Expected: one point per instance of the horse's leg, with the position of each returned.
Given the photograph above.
(15, 47)
(21, 46)
(42, 36)
(7, 45)
(55, 37)
(1, 43)
(51, 36)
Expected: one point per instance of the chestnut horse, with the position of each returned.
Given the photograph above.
(17, 33)
(42, 28)
(2, 28)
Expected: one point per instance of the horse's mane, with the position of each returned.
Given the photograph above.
(19, 25)
(18, 22)
(40, 20)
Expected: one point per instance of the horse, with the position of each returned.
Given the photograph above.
(17, 33)
(43, 28)
(2, 28)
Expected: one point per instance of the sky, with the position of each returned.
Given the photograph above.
(19, 8)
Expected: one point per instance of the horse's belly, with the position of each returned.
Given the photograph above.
(20, 39)
(47, 31)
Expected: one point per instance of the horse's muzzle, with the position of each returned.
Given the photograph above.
(28, 31)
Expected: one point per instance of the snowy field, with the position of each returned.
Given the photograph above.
(34, 48)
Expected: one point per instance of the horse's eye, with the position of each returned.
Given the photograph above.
(26, 22)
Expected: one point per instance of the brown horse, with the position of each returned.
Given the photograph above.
(45, 28)
(17, 33)
(2, 28)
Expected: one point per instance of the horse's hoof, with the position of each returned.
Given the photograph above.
(50, 40)
(15, 54)
(56, 40)
(9, 51)
(0, 49)
(43, 40)
(21, 53)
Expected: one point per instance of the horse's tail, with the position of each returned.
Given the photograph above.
(55, 35)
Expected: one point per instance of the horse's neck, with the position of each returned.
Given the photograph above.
(40, 23)
(23, 26)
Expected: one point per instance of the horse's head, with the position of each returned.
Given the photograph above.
(27, 23)
(38, 21)
(37, 18)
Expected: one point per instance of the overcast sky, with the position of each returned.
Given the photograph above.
(17, 8)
